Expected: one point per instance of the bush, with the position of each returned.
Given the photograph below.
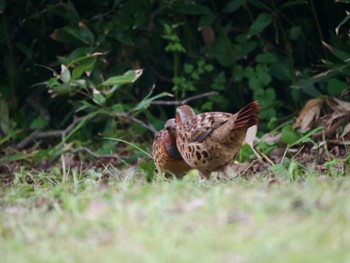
(244, 50)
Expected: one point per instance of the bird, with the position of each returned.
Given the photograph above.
(210, 141)
(167, 157)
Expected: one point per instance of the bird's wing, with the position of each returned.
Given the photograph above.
(200, 127)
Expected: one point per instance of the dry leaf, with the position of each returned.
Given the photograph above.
(272, 138)
(336, 115)
(249, 139)
(208, 34)
(339, 105)
(250, 135)
(309, 114)
(346, 131)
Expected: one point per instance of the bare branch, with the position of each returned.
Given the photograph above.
(48, 134)
(185, 101)
(96, 155)
(148, 126)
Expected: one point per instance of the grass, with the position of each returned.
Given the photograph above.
(80, 219)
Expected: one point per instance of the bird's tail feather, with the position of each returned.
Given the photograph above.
(248, 116)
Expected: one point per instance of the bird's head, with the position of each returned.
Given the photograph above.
(183, 114)
(170, 126)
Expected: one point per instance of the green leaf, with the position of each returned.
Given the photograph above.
(289, 135)
(249, 72)
(232, 6)
(117, 108)
(99, 99)
(206, 21)
(244, 49)
(266, 114)
(306, 137)
(209, 68)
(223, 51)
(65, 74)
(175, 47)
(86, 66)
(4, 116)
(38, 123)
(207, 106)
(260, 4)
(55, 86)
(79, 83)
(146, 102)
(87, 105)
(195, 76)
(309, 82)
(281, 69)
(78, 56)
(74, 35)
(263, 21)
(266, 58)
(344, 21)
(128, 77)
(188, 68)
(270, 93)
(295, 33)
(262, 74)
(238, 73)
(337, 52)
(19, 156)
(336, 86)
(2, 6)
(219, 82)
(192, 9)
(279, 169)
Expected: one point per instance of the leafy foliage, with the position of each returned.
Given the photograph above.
(243, 49)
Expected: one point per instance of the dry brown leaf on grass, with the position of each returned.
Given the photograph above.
(249, 139)
(251, 135)
(339, 117)
(309, 114)
(272, 137)
(334, 116)
(346, 131)
(339, 105)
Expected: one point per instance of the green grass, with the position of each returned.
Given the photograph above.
(129, 220)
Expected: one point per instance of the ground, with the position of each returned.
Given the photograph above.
(81, 217)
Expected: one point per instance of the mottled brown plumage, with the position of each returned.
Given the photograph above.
(165, 153)
(209, 141)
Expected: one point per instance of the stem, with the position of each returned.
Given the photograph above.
(10, 51)
(318, 25)
(176, 63)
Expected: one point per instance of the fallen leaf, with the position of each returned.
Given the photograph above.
(346, 131)
(309, 114)
(272, 138)
(336, 115)
(249, 139)
(250, 135)
(339, 105)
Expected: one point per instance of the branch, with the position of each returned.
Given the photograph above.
(143, 124)
(126, 115)
(48, 134)
(185, 101)
(96, 155)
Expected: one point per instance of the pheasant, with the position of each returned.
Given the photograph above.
(165, 153)
(209, 141)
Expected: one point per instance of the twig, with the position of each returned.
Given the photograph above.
(185, 101)
(147, 126)
(48, 134)
(126, 115)
(96, 155)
